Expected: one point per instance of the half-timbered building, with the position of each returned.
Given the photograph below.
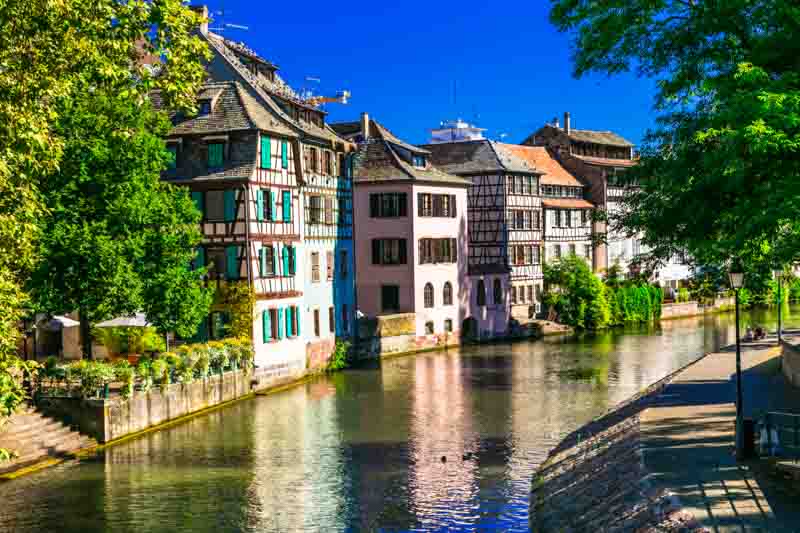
(503, 253)
(258, 160)
(600, 159)
(411, 234)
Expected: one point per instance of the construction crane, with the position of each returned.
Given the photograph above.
(341, 97)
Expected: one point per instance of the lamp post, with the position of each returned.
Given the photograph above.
(778, 273)
(737, 280)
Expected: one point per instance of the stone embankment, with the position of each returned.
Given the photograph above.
(595, 479)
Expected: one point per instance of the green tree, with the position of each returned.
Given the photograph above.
(578, 296)
(49, 51)
(116, 239)
(719, 175)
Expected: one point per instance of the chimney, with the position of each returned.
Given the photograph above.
(566, 122)
(365, 126)
(555, 122)
(202, 10)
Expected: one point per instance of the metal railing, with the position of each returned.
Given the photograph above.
(778, 435)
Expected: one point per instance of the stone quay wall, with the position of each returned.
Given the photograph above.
(790, 361)
(107, 420)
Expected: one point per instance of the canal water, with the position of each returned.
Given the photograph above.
(443, 441)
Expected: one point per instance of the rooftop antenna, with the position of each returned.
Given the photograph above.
(221, 25)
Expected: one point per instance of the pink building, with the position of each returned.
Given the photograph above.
(410, 234)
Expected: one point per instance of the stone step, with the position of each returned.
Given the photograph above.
(32, 432)
(19, 423)
(40, 438)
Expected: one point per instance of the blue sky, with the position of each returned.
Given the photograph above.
(511, 68)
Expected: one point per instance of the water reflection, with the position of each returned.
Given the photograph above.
(362, 450)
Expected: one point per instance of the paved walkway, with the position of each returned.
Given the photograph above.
(687, 437)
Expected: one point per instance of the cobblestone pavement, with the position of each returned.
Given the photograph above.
(687, 439)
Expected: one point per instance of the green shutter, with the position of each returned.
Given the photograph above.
(286, 252)
(280, 323)
(294, 261)
(232, 262)
(266, 152)
(288, 317)
(276, 260)
(266, 326)
(273, 202)
(261, 262)
(200, 258)
(259, 205)
(197, 198)
(285, 154)
(215, 155)
(287, 206)
(296, 320)
(230, 206)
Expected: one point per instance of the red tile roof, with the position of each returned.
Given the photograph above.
(606, 162)
(539, 158)
(567, 203)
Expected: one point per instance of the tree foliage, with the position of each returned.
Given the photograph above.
(51, 52)
(719, 175)
(578, 296)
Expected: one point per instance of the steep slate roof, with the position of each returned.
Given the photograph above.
(567, 203)
(539, 158)
(606, 161)
(267, 89)
(233, 109)
(598, 137)
(346, 129)
(475, 157)
(377, 160)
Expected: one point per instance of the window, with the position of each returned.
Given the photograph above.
(264, 201)
(432, 251)
(519, 219)
(536, 220)
(572, 249)
(266, 261)
(315, 209)
(220, 324)
(419, 161)
(557, 215)
(635, 247)
(556, 251)
(204, 107)
(428, 295)
(332, 319)
(522, 294)
(480, 293)
(313, 159)
(216, 262)
(315, 266)
(344, 267)
(316, 322)
(587, 251)
(329, 265)
(536, 255)
(436, 205)
(498, 292)
(584, 217)
(539, 293)
(345, 318)
(448, 325)
(327, 163)
(530, 293)
(172, 162)
(429, 327)
(447, 294)
(329, 211)
(388, 251)
(387, 205)
(390, 298)
(514, 295)
(215, 155)
(215, 206)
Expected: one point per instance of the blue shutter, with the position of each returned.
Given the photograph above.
(287, 206)
(286, 253)
(200, 258)
(280, 323)
(259, 205)
(266, 152)
(266, 325)
(197, 198)
(296, 320)
(288, 317)
(231, 262)
(230, 206)
(284, 154)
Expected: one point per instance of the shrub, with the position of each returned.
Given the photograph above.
(340, 358)
(203, 364)
(92, 375)
(683, 295)
(124, 372)
(160, 372)
(578, 296)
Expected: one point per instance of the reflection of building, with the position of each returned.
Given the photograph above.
(411, 231)
(599, 159)
(270, 179)
(505, 232)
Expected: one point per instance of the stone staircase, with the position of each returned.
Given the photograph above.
(33, 437)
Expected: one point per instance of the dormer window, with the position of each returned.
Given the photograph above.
(204, 107)
(418, 161)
